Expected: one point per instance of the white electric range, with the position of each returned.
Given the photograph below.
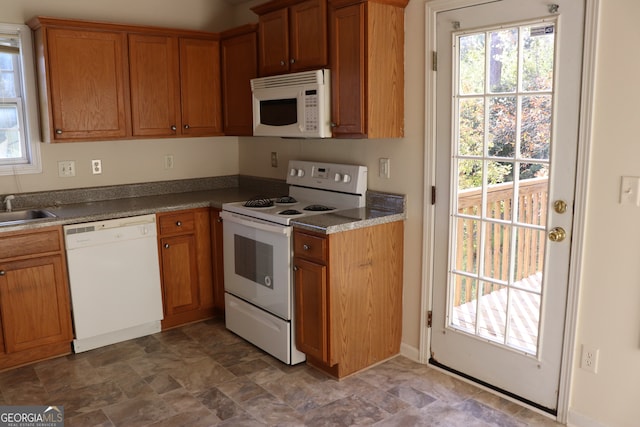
(258, 251)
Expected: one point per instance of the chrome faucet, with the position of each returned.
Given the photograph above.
(7, 202)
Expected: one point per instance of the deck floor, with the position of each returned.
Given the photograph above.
(491, 317)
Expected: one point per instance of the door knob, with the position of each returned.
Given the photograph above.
(557, 234)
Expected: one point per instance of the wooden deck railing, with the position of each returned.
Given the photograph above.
(532, 209)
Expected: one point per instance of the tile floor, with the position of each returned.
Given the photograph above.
(203, 375)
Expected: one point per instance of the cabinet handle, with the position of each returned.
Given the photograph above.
(58, 131)
(306, 247)
(166, 246)
(295, 268)
(187, 126)
(292, 60)
(2, 272)
(174, 127)
(179, 223)
(282, 63)
(333, 125)
(219, 219)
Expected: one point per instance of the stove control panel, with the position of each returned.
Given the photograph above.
(328, 176)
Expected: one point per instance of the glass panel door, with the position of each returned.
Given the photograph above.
(503, 107)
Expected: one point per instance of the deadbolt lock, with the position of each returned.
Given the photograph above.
(557, 234)
(560, 206)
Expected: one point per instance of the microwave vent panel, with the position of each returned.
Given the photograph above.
(316, 77)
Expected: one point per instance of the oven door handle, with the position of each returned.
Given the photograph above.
(254, 223)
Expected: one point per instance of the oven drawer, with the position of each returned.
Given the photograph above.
(179, 222)
(310, 247)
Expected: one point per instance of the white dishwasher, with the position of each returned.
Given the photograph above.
(114, 277)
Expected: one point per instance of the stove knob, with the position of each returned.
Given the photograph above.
(337, 178)
(300, 173)
(346, 178)
(293, 172)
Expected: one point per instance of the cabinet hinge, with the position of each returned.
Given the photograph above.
(429, 318)
(434, 61)
(433, 194)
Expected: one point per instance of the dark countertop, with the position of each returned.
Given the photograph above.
(380, 208)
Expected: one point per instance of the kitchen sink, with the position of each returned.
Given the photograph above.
(17, 217)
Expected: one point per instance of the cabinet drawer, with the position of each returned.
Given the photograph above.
(310, 247)
(179, 222)
(29, 243)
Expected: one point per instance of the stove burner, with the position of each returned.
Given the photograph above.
(318, 208)
(286, 200)
(290, 212)
(259, 202)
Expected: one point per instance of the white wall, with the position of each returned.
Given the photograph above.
(609, 312)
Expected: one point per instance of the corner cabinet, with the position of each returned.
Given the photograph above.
(348, 296)
(184, 242)
(366, 41)
(35, 313)
(239, 63)
(103, 81)
(292, 35)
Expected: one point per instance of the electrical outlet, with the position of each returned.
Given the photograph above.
(96, 167)
(589, 361)
(274, 159)
(168, 161)
(67, 168)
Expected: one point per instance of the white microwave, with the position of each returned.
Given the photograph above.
(295, 105)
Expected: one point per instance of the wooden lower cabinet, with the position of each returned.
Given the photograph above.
(184, 242)
(348, 293)
(35, 313)
(218, 260)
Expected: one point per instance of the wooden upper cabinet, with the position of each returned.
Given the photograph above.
(292, 35)
(200, 87)
(112, 81)
(175, 86)
(239, 62)
(308, 35)
(83, 83)
(366, 40)
(155, 85)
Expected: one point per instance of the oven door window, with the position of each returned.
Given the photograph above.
(253, 260)
(279, 112)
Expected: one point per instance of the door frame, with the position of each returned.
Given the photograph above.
(592, 8)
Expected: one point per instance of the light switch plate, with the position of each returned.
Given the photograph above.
(384, 168)
(66, 168)
(630, 191)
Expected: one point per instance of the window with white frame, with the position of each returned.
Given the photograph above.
(19, 142)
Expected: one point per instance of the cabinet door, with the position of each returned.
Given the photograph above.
(34, 303)
(273, 37)
(155, 91)
(200, 87)
(348, 73)
(218, 259)
(88, 86)
(239, 65)
(311, 309)
(308, 35)
(179, 274)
